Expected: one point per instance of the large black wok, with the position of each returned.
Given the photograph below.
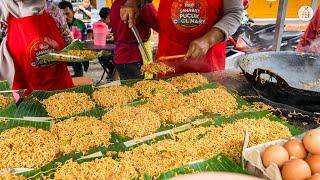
(285, 77)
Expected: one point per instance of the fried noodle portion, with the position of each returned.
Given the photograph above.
(87, 54)
(218, 101)
(79, 134)
(173, 108)
(67, 104)
(5, 101)
(155, 68)
(115, 95)
(27, 148)
(150, 88)
(188, 81)
(132, 121)
(105, 168)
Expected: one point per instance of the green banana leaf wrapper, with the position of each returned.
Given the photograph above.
(59, 56)
(32, 106)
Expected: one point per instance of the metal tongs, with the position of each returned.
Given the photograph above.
(142, 48)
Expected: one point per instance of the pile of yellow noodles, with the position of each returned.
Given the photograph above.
(114, 96)
(67, 104)
(27, 148)
(79, 134)
(150, 88)
(188, 81)
(132, 121)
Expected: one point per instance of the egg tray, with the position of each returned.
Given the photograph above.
(252, 160)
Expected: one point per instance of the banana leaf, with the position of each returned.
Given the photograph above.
(61, 57)
(32, 106)
(10, 123)
(41, 95)
(50, 168)
(76, 45)
(11, 108)
(220, 163)
(220, 120)
(209, 165)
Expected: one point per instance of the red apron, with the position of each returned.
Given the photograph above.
(181, 22)
(28, 38)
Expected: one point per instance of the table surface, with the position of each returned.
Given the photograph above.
(93, 47)
(236, 82)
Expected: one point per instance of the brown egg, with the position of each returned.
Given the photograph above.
(276, 154)
(314, 163)
(296, 149)
(295, 169)
(311, 141)
(314, 177)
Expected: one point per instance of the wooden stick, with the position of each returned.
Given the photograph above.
(171, 57)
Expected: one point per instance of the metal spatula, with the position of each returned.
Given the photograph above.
(142, 48)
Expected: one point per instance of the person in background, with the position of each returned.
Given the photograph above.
(310, 41)
(79, 31)
(84, 11)
(34, 27)
(127, 57)
(197, 29)
(105, 16)
(106, 60)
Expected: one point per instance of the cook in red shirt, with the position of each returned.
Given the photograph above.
(127, 57)
(310, 41)
(197, 28)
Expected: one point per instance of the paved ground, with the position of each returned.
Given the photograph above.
(95, 72)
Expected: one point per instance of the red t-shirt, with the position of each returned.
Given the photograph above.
(127, 47)
(310, 41)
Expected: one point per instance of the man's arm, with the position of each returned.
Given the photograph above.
(310, 34)
(232, 17)
(88, 13)
(228, 25)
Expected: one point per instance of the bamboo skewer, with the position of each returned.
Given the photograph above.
(163, 58)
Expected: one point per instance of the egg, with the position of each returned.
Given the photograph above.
(295, 169)
(296, 149)
(314, 177)
(311, 141)
(314, 163)
(276, 154)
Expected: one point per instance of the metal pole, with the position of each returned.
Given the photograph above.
(314, 4)
(283, 4)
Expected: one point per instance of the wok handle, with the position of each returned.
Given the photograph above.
(280, 81)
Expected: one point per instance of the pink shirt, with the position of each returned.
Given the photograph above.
(127, 50)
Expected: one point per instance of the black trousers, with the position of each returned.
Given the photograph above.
(129, 71)
(79, 67)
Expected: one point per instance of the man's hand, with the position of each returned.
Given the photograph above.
(81, 8)
(2, 25)
(199, 47)
(129, 12)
